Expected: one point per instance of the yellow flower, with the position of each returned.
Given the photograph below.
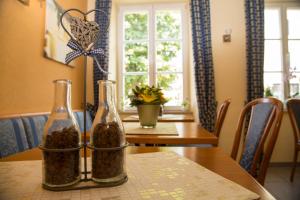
(148, 98)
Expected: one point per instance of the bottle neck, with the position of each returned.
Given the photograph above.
(62, 98)
(106, 93)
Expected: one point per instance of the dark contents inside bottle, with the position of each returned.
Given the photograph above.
(107, 164)
(62, 167)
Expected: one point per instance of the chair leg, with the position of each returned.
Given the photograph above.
(294, 165)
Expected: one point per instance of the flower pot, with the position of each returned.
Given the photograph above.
(148, 115)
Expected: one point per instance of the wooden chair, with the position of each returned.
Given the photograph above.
(293, 107)
(259, 136)
(221, 116)
(219, 122)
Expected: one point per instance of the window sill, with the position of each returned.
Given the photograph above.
(167, 117)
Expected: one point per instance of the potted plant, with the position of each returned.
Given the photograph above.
(148, 101)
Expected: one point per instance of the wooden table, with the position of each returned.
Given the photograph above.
(212, 158)
(188, 133)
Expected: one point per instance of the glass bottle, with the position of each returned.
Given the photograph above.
(61, 141)
(107, 138)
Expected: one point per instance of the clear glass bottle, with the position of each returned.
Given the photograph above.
(107, 138)
(61, 141)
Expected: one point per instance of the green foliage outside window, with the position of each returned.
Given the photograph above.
(268, 92)
(136, 52)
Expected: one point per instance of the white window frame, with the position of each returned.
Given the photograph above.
(283, 7)
(151, 8)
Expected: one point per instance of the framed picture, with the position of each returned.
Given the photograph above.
(55, 37)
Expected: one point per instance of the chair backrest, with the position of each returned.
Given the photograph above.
(263, 125)
(293, 107)
(221, 116)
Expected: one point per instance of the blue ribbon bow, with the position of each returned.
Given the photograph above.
(79, 51)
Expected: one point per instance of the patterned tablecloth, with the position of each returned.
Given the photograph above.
(158, 176)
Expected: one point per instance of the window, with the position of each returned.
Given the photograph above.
(282, 50)
(152, 51)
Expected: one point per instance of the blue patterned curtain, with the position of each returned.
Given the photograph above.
(255, 48)
(203, 63)
(103, 43)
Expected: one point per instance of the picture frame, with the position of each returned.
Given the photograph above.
(55, 45)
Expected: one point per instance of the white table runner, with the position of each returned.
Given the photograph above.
(132, 128)
(157, 176)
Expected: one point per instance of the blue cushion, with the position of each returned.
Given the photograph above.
(258, 122)
(34, 126)
(79, 118)
(92, 110)
(13, 137)
(296, 111)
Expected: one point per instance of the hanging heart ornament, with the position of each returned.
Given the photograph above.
(83, 36)
(85, 33)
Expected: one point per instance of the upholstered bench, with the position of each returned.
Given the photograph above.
(80, 120)
(12, 137)
(34, 126)
(19, 133)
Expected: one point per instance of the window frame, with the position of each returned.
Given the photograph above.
(151, 8)
(283, 7)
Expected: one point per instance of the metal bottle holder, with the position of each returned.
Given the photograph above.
(83, 45)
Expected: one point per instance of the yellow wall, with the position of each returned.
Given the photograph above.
(229, 62)
(25, 75)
